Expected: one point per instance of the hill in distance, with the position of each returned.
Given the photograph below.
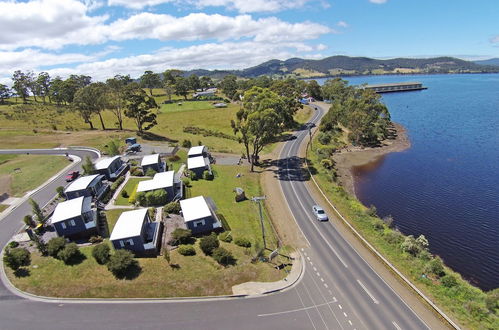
(491, 61)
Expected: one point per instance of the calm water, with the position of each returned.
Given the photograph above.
(446, 186)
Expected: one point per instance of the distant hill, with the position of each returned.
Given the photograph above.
(492, 61)
(345, 65)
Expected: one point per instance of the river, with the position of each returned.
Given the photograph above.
(446, 186)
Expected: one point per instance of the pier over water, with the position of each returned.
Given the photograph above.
(395, 87)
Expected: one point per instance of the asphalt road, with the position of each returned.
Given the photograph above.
(339, 290)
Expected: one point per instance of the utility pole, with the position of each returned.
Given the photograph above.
(258, 200)
(310, 134)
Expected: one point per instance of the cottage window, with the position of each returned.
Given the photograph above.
(198, 223)
(122, 244)
(129, 242)
(72, 222)
(63, 225)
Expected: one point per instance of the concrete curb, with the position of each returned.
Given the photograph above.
(373, 250)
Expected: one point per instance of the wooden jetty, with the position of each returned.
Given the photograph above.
(396, 87)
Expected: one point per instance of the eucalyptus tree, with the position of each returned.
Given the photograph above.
(116, 88)
(4, 93)
(92, 99)
(139, 107)
(21, 84)
(150, 80)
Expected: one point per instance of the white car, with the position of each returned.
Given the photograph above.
(319, 212)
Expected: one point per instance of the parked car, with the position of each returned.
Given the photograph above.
(72, 175)
(319, 212)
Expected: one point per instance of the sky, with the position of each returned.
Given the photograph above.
(102, 38)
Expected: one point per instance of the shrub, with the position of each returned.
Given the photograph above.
(492, 300)
(476, 309)
(410, 246)
(16, 258)
(172, 208)
(207, 175)
(121, 262)
(140, 198)
(389, 221)
(88, 166)
(327, 163)
(116, 184)
(372, 211)
(378, 225)
(394, 237)
(150, 172)
(324, 138)
(209, 243)
(113, 148)
(28, 221)
(186, 143)
(41, 246)
(181, 236)
(242, 241)
(448, 281)
(324, 152)
(223, 256)
(69, 253)
(166, 255)
(186, 182)
(136, 171)
(13, 244)
(60, 191)
(101, 253)
(156, 197)
(435, 266)
(124, 194)
(55, 245)
(174, 158)
(186, 250)
(95, 239)
(226, 236)
(192, 175)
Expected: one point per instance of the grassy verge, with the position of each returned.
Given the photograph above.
(129, 187)
(197, 275)
(3, 207)
(462, 301)
(26, 172)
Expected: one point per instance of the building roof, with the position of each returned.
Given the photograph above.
(159, 181)
(194, 208)
(129, 224)
(105, 163)
(197, 150)
(81, 183)
(150, 159)
(68, 209)
(197, 162)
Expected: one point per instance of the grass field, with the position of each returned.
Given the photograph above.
(130, 187)
(3, 207)
(26, 172)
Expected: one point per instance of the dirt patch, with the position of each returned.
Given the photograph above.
(172, 222)
(350, 157)
(5, 181)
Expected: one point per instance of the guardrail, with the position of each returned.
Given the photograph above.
(373, 250)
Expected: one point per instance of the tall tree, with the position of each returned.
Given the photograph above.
(117, 90)
(206, 82)
(150, 80)
(194, 82)
(91, 99)
(43, 84)
(139, 107)
(229, 85)
(169, 88)
(182, 87)
(314, 90)
(4, 93)
(21, 84)
(171, 75)
(56, 91)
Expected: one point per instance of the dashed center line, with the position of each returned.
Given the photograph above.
(368, 293)
(325, 285)
(340, 306)
(350, 322)
(345, 314)
(396, 325)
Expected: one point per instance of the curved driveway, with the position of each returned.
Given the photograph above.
(339, 290)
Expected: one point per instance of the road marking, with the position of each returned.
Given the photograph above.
(306, 311)
(350, 322)
(296, 310)
(308, 258)
(322, 280)
(318, 274)
(334, 298)
(325, 285)
(345, 314)
(315, 269)
(311, 263)
(305, 253)
(340, 306)
(396, 325)
(302, 249)
(368, 293)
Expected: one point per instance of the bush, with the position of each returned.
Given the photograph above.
(476, 309)
(69, 253)
(435, 266)
(192, 175)
(223, 256)
(140, 198)
(60, 191)
(13, 244)
(492, 300)
(207, 175)
(449, 281)
(16, 258)
(174, 158)
(378, 225)
(124, 194)
(186, 250)
(172, 208)
(394, 237)
(181, 236)
(186, 143)
(55, 245)
(242, 241)
(156, 197)
(150, 172)
(136, 171)
(116, 184)
(324, 138)
(209, 243)
(372, 211)
(28, 221)
(186, 182)
(327, 163)
(95, 239)
(121, 262)
(101, 253)
(40, 245)
(324, 152)
(226, 236)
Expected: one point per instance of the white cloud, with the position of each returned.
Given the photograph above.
(378, 1)
(494, 39)
(342, 24)
(136, 4)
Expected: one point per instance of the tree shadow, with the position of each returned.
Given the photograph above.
(76, 260)
(148, 136)
(132, 272)
(287, 169)
(22, 272)
(175, 266)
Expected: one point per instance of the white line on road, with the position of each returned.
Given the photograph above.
(340, 307)
(350, 322)
(345, 314)
(322, 280)
(318, 274)
(296, 310)
(325, 285)
(396, 325)
(315, 269)
(368, 293)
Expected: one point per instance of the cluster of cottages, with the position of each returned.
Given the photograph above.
(76, 218)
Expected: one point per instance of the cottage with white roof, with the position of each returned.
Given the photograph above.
(90, 185)
(152, 161)
(111, 167)
(164, 180)
(199, 215)
(198, 160)
(75, 218)
(134, 231)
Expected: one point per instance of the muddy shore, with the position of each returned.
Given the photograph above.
(351, 157)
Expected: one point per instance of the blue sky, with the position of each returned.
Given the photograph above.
(102, 38)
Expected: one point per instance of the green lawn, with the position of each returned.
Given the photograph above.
(130, 187)
(30, 171)
(182, 106)
(3, 207)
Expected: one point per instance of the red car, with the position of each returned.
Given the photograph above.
(72, 175)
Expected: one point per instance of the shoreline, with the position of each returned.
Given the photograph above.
(350, 157)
